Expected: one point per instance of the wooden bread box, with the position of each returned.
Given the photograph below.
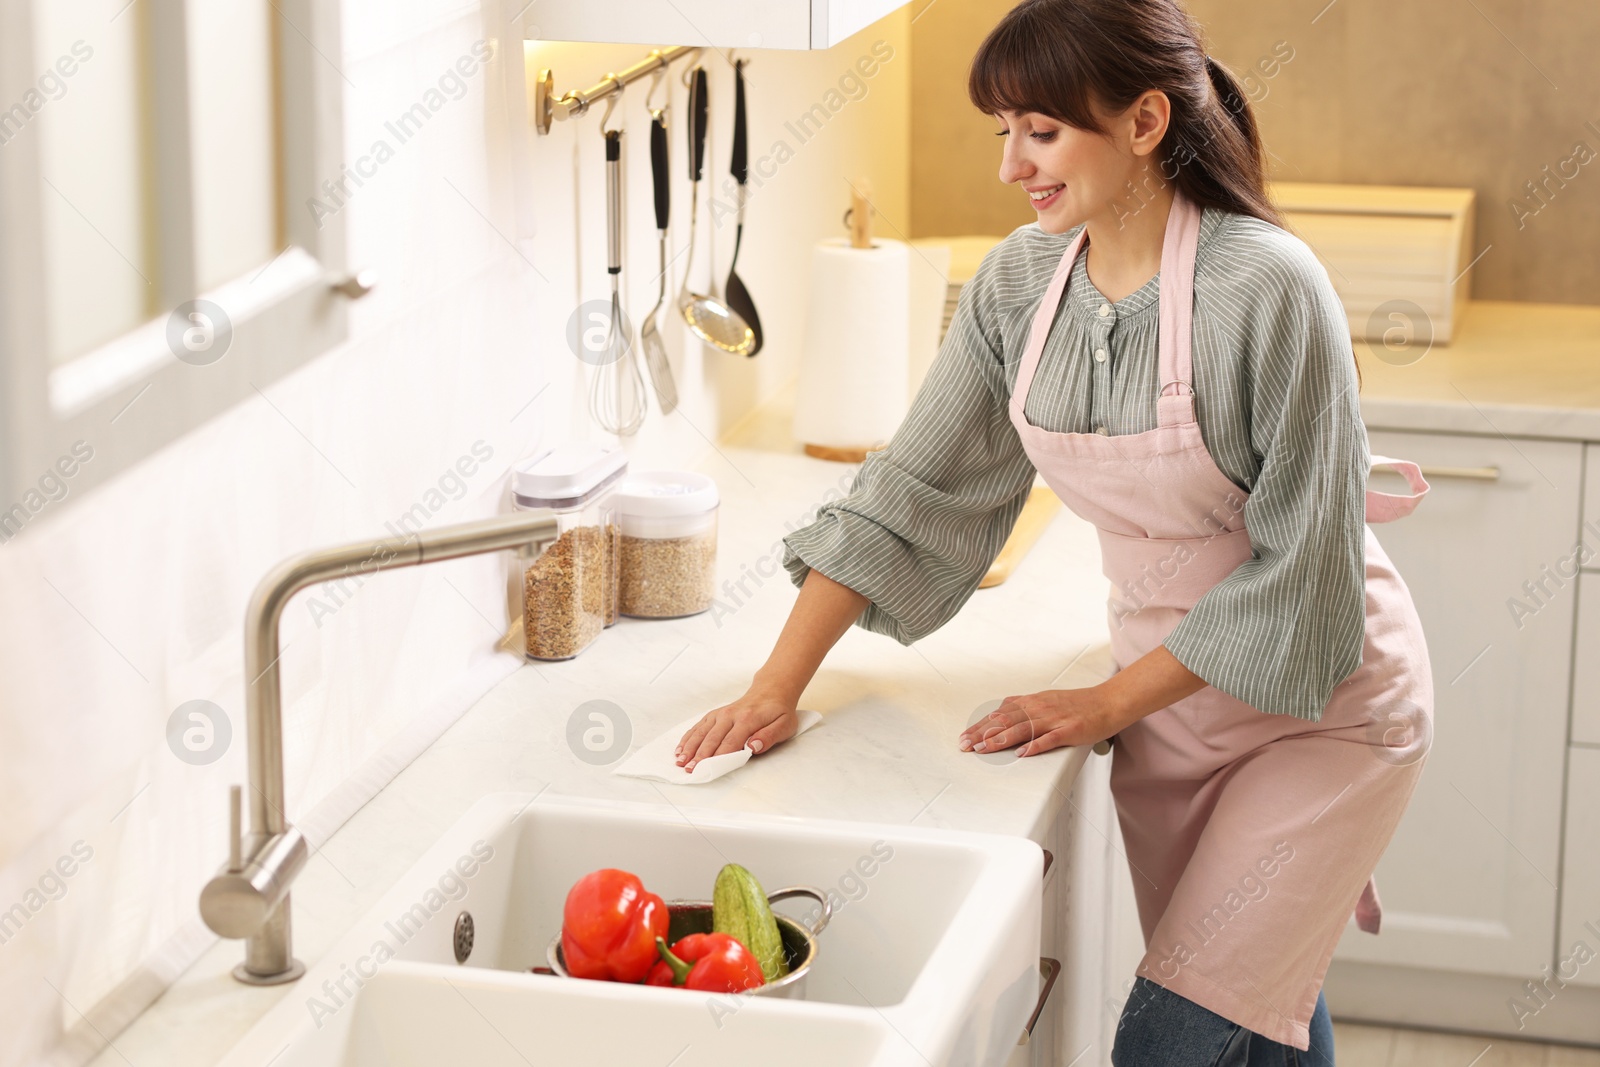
(1398, 256)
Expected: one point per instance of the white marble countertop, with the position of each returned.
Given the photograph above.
(1523, 370)
(885, 752)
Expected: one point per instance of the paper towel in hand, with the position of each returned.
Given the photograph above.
(658, 759)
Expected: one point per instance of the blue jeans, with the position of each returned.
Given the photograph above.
(1159, 1028)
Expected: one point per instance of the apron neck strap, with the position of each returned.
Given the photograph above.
(1043, 317)
(1176, 335)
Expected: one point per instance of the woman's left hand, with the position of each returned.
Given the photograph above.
(1040, 722)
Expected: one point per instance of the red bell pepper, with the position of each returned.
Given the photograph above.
(610, 926)
(713, 963)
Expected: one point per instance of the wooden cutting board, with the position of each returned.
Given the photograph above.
(1036, 514)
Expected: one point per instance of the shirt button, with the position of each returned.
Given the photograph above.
(1101, 430)
(1105, 309)
(1099, 355)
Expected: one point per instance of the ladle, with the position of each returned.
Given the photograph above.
(707, 316)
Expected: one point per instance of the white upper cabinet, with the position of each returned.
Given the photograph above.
(795, 24)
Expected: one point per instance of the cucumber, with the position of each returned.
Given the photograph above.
(739, 909)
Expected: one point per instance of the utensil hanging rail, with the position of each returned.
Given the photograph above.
(548, 107)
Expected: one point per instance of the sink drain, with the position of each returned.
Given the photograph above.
(463, 936)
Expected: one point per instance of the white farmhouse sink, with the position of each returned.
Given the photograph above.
(420, 1015)
(931, 954)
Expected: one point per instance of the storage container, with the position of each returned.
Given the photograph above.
(567, 586)
(1396, 255)
(667, 551)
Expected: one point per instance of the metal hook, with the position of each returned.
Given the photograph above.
(611, 103)
(657, 77)
(691, 60)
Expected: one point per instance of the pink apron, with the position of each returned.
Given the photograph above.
(1251, 837)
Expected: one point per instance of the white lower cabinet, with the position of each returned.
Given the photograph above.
(1468, 883)
(1578, 946)
(1042, 1048)
(1088, 900)
(1586, 671)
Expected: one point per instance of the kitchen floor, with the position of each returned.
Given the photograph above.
(1358, 1045)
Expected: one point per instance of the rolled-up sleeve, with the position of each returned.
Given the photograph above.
(1287, 626)
(927, 514)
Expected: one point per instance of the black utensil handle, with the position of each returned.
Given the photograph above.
(700, 112)
(658, 170)
(741, 164)
(613, 202)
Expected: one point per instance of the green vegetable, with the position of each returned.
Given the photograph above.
(739, 908)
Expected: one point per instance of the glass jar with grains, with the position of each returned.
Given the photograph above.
(667, 552)
(568, 586)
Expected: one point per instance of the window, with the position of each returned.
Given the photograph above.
(157, 262)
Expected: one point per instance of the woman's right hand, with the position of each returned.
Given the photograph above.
(755, 720)
(765, 716)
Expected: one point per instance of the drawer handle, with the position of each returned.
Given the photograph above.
(1049, 969)
(1482, 474)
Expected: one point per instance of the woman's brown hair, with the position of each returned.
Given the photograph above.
(1061, 57)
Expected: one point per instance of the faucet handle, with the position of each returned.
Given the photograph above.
(235, 830)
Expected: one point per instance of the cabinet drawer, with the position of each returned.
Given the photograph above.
(1580, 878)
(1586, 669)
(1590, 534)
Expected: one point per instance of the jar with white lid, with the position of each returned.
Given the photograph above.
(667, 552)
(567, 586)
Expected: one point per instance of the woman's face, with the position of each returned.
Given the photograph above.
(1071, 175)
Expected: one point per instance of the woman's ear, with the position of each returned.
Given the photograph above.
(1149, 115)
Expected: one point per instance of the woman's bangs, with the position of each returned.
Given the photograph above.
(1012, 72)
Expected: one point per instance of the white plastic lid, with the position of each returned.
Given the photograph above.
(567, 474)
(662, 494)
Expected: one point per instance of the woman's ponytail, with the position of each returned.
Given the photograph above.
(1233, 100)
(1228, 167)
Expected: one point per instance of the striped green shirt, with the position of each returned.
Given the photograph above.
(1276, 399)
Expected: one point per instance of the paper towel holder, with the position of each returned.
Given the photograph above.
(858, 216)
(858, 221)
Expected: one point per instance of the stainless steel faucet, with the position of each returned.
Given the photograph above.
(248, 897)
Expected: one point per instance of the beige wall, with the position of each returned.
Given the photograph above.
(1426, 92)
(954, 153)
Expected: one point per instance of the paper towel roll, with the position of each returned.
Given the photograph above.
(854, 364)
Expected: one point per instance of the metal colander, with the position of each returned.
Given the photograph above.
(694, 917)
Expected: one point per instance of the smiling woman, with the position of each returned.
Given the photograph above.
(1177, 366)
